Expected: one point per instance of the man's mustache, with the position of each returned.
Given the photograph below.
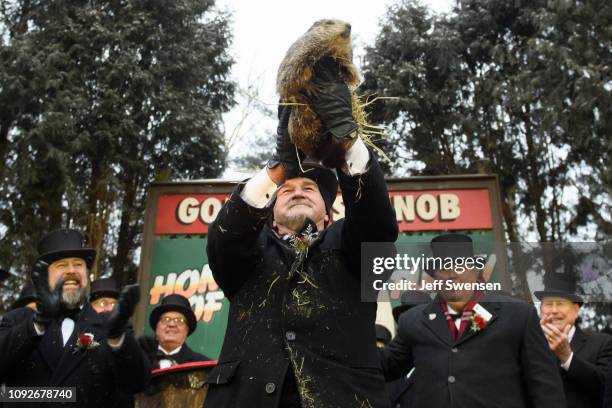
(298, 201)
(71, 277)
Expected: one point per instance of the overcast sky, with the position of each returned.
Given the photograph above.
(264, 30)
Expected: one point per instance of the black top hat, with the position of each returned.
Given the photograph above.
(410, 299)
(64, 243)
(325, 178)
(174, 303)
(27, 295)
(559, 285)
(105, 287)
(383, 334)
(451, 246)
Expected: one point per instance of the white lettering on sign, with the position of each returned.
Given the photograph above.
(426, 207)
(404, 207)
(190, 209)
(187, 211)
(449, 207)
(196, 285)
(408, 208)
(209, 209)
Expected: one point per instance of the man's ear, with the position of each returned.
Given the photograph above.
(326, 218)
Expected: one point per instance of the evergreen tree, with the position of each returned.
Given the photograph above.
(520, 89)
(102, 98)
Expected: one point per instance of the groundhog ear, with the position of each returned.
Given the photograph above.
(326, 69)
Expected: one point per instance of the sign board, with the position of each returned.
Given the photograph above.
(178, 215)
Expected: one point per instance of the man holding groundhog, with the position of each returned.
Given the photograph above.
(298, 334)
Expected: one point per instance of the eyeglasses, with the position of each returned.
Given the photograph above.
(103, 303)
(175, 320)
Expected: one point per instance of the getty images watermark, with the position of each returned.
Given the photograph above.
(515, 269)
(406, 264)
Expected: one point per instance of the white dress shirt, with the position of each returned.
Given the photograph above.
(165, 363)
(570, 336)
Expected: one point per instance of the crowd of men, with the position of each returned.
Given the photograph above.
(299, 334)
(64, 331)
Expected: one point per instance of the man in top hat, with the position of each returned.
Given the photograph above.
(27, 298)
(469, 348)
(172, 321)
(399, 390)
(104, 295)
(298, 334)
(582, 358)
(65, 343)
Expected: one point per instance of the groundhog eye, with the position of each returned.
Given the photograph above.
(329, 22)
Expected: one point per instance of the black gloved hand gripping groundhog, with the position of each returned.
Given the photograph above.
(314, 72)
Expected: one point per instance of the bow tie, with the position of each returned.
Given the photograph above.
(70, 313)
(161, 356)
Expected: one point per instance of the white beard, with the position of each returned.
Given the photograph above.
(75, 298)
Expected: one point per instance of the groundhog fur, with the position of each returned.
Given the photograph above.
(294, 85)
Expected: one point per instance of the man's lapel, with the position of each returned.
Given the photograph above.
(578, 341)
(50, 346)
(89, 322)
(434, 320)
(491, 307)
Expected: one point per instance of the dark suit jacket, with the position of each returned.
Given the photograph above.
(584, 382)
(150, 346)
(319, 327)
(507, 364)
(608, 392)
(32, 360)
(399, 392)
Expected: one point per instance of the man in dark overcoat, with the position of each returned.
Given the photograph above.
(582, 358)
(173, 321)
(298, 334)
(65, 343)
(400, 390)
(472, 349)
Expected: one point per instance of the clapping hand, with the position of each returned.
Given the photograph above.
(47, 300)
(118, 320)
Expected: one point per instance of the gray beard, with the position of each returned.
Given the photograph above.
(295, 222)
(74, 299)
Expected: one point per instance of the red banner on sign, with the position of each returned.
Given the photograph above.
(434, 210)
(188, 214)
(424, 210)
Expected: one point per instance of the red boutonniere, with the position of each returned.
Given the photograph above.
(477, 322)
(86, 341)
(480, 318)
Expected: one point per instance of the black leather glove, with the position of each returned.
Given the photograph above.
(119, 317)
(286, 154)
(47, 301)
(332, 101)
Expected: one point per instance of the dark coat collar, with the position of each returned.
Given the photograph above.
(434, 319)
(579, 340)
(89, 322)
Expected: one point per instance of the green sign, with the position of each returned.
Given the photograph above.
(180, 265)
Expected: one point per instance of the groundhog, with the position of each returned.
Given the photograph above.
(325, 38)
